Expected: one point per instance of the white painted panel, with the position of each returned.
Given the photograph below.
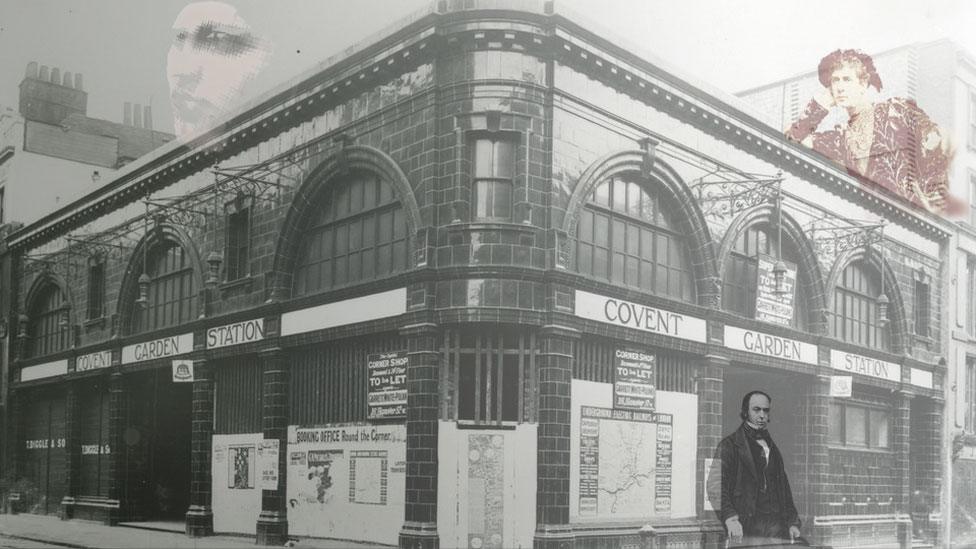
(349, 311)
(235, 508)
(40, 371)
(347, 481)
(684, 447)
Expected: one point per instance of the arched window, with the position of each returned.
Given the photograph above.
(171, 299)
(739, 278)
(627, 235)
(359, 234)
(44, 327)
(855, 313)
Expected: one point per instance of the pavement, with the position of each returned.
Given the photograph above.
(25, 530)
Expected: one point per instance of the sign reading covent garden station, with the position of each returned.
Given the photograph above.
(639, 317)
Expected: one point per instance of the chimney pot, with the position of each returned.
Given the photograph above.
(78, 81)
(137, 115)
(32, 69)
(127, 113)
(56, 75)
(45, 73)
(147, 117)
(66, 79)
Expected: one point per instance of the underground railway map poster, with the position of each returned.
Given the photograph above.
(629, 464)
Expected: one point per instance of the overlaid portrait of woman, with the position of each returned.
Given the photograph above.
(891, 143)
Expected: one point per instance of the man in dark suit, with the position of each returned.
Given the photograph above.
(752, 495)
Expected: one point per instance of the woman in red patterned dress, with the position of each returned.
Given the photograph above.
(890, 143)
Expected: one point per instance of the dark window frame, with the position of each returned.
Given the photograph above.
(46, 335)
(96, 288)
(923, 308)
(660, 250)
(172, 293)
(481, 367)
(854, 310)
(329, 247)
(238, 223)
(493, 178)
(842, 439)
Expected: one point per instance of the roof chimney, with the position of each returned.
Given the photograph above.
(137, 115)
(79, 81)
(147, 118)
(48, 96)
(127, 113)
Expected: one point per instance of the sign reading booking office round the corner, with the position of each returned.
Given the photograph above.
(639, 317)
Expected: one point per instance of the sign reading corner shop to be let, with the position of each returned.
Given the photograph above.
(640, 317)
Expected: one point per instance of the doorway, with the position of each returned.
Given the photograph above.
(787, 413)
(157, 448)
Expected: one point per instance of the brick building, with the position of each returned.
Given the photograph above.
(489, 280)
(941, 77)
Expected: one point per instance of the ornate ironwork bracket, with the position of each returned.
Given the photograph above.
(723, 198)
(833, 240)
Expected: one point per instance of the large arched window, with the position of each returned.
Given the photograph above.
(46, 333)
(359, 234)
(627, 235)
(739, 278)
(855, 312)
(171, 297)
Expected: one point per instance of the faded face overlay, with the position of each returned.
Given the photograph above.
(214, 54)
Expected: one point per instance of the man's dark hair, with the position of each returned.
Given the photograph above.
(744, 412)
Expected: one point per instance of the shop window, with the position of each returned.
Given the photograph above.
(171, 297)
(627, 235)
(493, 169)
(922, 308)
(47, 327)
(859, 426)
(237, 239)
(855, 311)
(740, 276)
(489, 374)
(240, 467)
(96, 288)
(359, 234)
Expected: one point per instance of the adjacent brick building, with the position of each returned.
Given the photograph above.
(489, 281)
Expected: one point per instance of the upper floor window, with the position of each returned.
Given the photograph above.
(171, 297)
(358, 234)
(96, 288)
(47, 326)
(923, 307)
(740, 277)
(627, 235)
(237, 240)
(972, 119)
(493, 170)
(855, 312)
